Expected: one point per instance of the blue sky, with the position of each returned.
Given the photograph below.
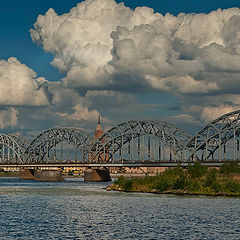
(16, 21)
(18, 17)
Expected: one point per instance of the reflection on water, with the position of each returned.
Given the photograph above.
(77, 210)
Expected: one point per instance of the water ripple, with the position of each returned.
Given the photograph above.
(77, 210)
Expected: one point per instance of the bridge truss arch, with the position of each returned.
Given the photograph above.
(212, 141)
(76, 140)
(11, 149)
(141, 136)
(22, 141)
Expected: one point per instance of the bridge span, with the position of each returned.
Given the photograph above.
(107, 165)
(131, 143)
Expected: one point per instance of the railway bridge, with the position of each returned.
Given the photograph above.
(134, 143)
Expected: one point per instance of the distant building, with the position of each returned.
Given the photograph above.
(98, 132)
(105, 155)
(97, 135)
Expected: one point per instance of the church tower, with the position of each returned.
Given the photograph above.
(98, 132)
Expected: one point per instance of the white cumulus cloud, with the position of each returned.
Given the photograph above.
(211, 113)
(19, 85)
(8, 117)
(81, 113)
(100, 44)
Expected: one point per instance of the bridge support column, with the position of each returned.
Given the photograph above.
(41, 175)
(48, 175)
(97, 175)
(26, 174)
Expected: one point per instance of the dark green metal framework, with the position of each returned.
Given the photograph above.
(208, 144)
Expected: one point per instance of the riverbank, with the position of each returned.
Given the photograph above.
(113, 175)
(155, 191)
(195, 180)
(9, 174)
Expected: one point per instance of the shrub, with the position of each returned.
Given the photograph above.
(197, 170)
(127, 186)
(120, 181)
(174, 172)
(179, 183)
(162, 184)
(211, 177)
(216, 186)
(230, 167)
(192, 185)
(124, 183)
(211, 180)
(144, 180)
(232, 186)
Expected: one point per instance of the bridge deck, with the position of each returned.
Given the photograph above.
(110, 164)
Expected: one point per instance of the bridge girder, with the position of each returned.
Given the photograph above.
(213, 136)
(44, 142)
(22, 141)
(15, 150)
(172, 136)
(210, 139)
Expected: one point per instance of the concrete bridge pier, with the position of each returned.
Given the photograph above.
(26, 174)
(48, 175)
(97, 175)
(40, 175)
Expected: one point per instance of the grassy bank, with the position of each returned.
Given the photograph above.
(8, 174)
(197, 179)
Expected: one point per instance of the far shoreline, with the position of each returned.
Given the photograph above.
(194, 180)
(177, 193)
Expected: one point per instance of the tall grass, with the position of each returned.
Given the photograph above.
(194, 179)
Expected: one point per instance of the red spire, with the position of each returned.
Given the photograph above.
(99, 120)
(99, 131)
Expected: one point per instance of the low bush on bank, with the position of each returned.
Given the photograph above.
(195, 179)
(232, 186)
(197, 170)
(124, 183)
(230, 168)
(162, 184)
(6, 174)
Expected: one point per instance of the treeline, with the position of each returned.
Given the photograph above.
(196, 179)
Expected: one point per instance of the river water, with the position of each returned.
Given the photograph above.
(77, 210)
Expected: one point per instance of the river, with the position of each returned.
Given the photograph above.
(77, 210)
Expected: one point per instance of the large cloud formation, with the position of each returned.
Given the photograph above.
(28, 102)
(102, 45)
(8, 117)
(19, 85)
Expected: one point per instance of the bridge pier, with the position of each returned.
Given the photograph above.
(48, 175)
(40, 175)
(26, 174)
(97, 175)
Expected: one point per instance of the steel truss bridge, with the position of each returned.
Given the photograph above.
(132, 144)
